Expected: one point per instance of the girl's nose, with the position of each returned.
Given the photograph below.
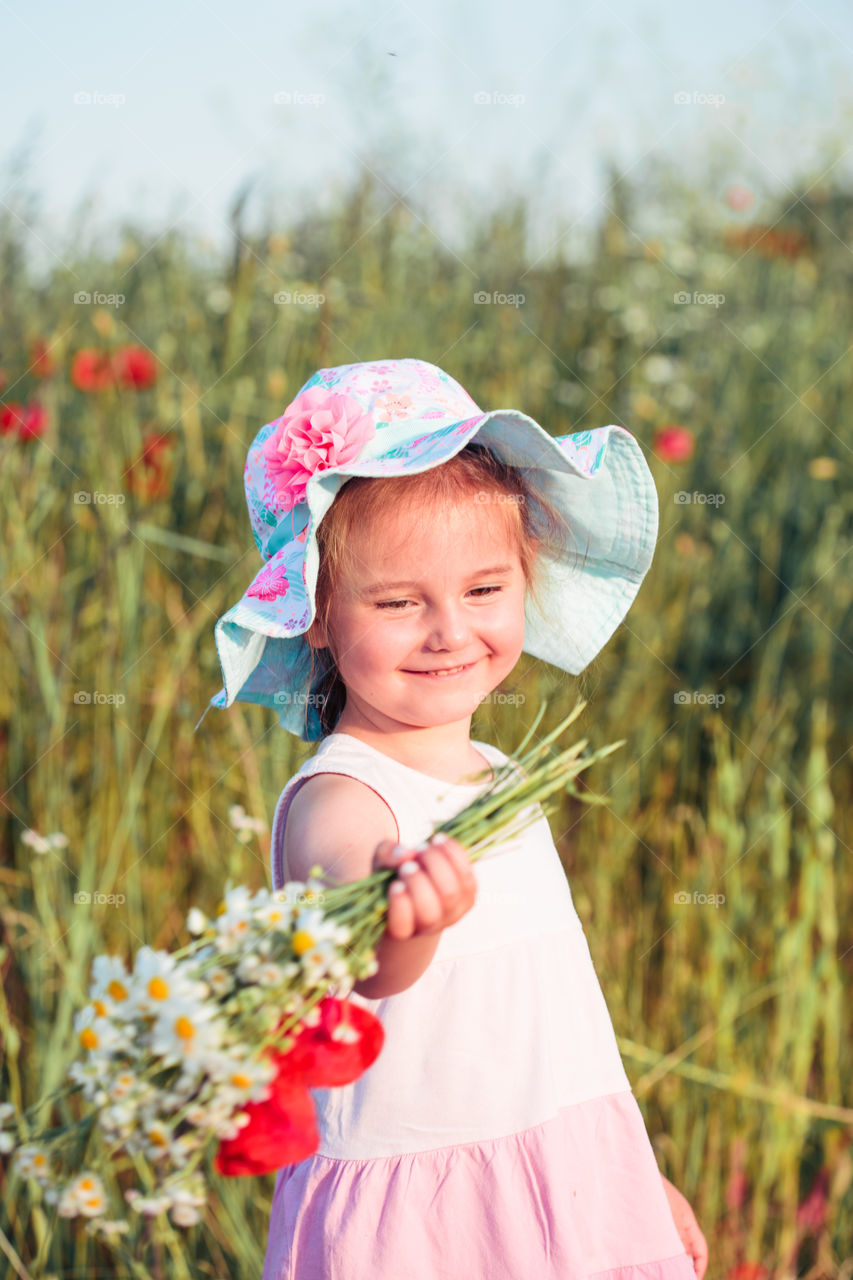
(448, 628)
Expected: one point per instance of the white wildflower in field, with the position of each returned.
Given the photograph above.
(44, 844)
(245, 826)
(84, 1195)
(32, 1161)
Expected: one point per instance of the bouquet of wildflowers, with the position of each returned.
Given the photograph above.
(213, 1049)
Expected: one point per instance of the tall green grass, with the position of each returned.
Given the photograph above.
(733, 1016)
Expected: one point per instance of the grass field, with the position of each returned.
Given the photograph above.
(730, 679)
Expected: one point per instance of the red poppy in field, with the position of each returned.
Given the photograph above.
(27, 421)
(747, 1271)
(35, 421)
(11, 417)
(150, 476)
(91, 370)
(770, 242)
(135, 368)
(673, 443)
(42, 363)
(283, 1128)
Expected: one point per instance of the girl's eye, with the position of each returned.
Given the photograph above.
(395, 605)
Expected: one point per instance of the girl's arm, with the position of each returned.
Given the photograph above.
(345, 827)
(687, 1227)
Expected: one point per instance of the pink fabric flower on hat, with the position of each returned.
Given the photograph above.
(320, 429)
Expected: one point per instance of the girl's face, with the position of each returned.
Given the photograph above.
(443, 594)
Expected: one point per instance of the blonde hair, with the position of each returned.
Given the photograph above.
(529, 517)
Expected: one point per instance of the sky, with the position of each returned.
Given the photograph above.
(162, 112)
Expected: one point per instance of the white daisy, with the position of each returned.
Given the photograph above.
(110, 986)
(96, 1033)
(83, 1195)
(31, 1161)
(158, 978)
(185, 1030)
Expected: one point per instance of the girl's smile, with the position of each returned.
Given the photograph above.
(429, 622)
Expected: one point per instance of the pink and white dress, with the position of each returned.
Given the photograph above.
(496, 1136)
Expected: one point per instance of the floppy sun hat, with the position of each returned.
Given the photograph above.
(394, 418)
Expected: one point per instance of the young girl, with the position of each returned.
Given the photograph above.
(496, 1136)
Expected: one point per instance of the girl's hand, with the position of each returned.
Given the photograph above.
(688, 1228)
(436, 887)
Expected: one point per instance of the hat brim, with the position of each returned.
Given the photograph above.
(598, 480)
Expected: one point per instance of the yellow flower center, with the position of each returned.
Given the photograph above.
(240, 1080)
(117, 990)
(184, 1028)
(86, 1184)
(89, 1038)
(158, 989)
(158, 1138)
(302, 941)
(100, 1008)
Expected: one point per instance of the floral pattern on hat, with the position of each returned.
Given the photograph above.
(318, 430)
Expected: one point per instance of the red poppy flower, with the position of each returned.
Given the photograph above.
(770, 242)
(27, 421)
(283, 1128)
(91, 370)
(149, 475)
(673, 444)
(11, 417)
(135, 368)
(42, 363)
(747, 1271)
(35, 421)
